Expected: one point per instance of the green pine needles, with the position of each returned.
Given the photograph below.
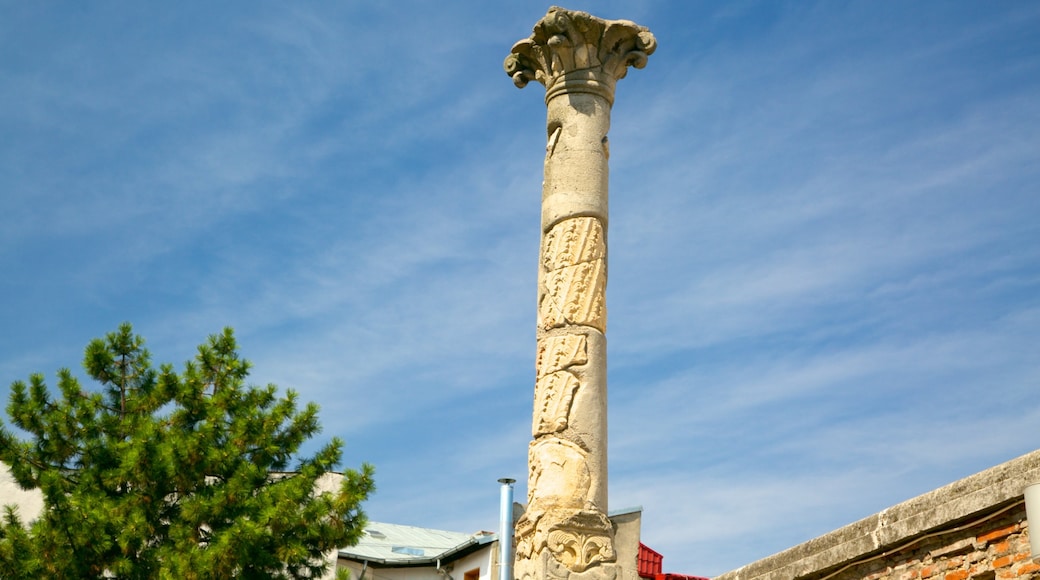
(172, 475)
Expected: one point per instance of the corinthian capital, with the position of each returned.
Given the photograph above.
(572, 51)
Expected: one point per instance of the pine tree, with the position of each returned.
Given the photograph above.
(161, 474)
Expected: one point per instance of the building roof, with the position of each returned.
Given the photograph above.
(396, 545)
(385, 544)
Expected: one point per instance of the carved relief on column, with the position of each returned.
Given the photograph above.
(556, 381)
(574, 275)
(559, 474)
(579, 540)
(560, 519)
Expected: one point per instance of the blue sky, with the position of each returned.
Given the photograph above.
(824, 287)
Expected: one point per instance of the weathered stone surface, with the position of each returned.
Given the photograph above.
(579, 58)
(572, 242)
(559, 475)
(574, 275)
(565, 542)
(573, 51)
(557, 370)
(576, 175)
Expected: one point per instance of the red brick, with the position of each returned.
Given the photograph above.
(998, 533)
(1002, 547)
(927, 572)
(1003, 562)
(958, 575)
(1028, 568)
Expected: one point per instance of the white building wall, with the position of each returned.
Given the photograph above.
(29, 503)
(482, 560)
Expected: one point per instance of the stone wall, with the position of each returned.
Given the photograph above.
(997, 548)
(974, 528)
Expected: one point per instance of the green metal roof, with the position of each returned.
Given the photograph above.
(396, 545)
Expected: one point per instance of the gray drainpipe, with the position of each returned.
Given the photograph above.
(505, 532)
(442, 571)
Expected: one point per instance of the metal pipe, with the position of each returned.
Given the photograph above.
(442, 571)
(505, 532)
(1032, 497)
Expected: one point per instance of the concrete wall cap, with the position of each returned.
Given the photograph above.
(954, 503)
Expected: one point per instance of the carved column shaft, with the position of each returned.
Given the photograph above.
(571, 379)
(579, 59)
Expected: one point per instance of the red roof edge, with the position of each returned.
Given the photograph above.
(650, 566)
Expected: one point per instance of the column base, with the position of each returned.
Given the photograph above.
(545, 567)
(565, 543)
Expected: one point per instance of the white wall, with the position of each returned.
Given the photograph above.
(29, 503)
(481, 559)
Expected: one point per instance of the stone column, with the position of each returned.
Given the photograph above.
(579, 58)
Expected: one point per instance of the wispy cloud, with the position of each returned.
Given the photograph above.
(823, 244)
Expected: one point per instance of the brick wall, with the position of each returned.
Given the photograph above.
(991, 549)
